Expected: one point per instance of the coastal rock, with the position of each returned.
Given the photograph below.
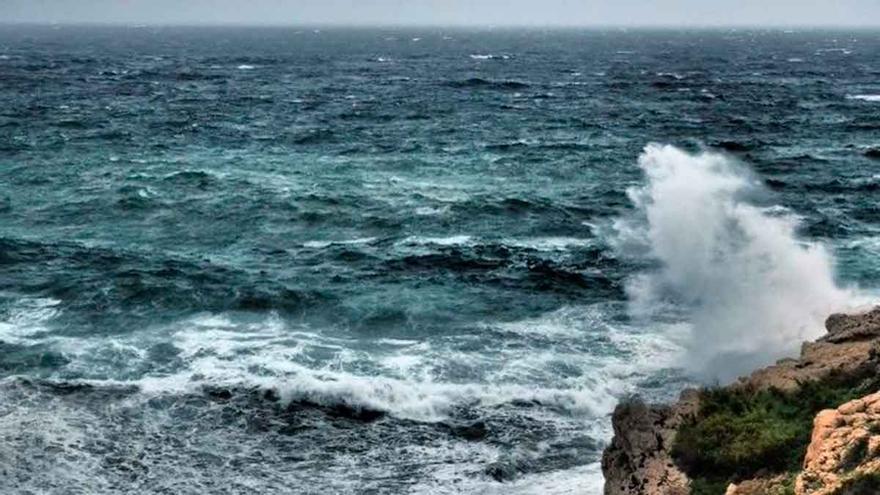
(844, 450)
(852, 327)
(638, 461)
(760, 486)
(851, 346)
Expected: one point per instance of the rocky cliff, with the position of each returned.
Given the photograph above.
(762, 434)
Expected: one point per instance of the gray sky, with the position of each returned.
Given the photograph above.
(450, 12)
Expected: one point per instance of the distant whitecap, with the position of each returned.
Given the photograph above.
(872, 98)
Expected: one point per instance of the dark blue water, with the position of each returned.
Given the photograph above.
(402, 261)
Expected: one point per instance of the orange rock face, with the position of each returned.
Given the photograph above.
(845, 445)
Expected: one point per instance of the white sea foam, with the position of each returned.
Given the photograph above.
(448, 480)
(871, 98)
(323, 244)
(478, 56)
(455, 240)
(548, 243)
(28, 318)
(427, 211)
(245, 67)
(673, 75)
(403, 381)
(404, 377)
(750, 289)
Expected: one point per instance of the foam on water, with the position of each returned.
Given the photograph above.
(548, 243)
(871, 98)
(580, 363)
(323, 244)
(455, 240)
(27, 318)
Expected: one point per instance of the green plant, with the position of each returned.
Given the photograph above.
(739, 434)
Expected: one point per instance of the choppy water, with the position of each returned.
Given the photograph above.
(406, 261)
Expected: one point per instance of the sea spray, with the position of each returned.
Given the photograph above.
(750, 289)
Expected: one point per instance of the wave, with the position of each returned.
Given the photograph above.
(477, 56)
(89, 279)
(751, 290)
(276, 444)
(194, 178)
(349, 242)
(403, 378)
(455, 240)
(865, 97)
(549, 243)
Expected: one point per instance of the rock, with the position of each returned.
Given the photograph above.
(501, 471)
(639, 461)
(873, 153)
(845, 446)
(473, 431)
(760, 486)
(852, 327)
(818, 361)
(851, 346)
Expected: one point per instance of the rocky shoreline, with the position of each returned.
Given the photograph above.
(805, 426)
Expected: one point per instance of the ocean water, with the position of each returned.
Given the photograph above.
(242, 260)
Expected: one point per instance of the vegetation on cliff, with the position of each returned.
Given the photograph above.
(741, 434)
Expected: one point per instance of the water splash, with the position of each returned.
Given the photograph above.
(735, 269)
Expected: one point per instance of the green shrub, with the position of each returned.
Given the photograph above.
(739, 434)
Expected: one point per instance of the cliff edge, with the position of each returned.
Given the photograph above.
(784, 429)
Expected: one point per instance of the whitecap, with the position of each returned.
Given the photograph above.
(324, 244)
(871, 98)
(425, 211)
(548, 243)
(673, 75)
(477, 56)
(455, 240)
(246, 67)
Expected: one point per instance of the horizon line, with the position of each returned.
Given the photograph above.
(337, 25)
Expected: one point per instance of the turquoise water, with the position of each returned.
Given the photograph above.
(407, 261)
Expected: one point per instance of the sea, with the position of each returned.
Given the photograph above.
(327, 260)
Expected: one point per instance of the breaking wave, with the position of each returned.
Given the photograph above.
(727, 262)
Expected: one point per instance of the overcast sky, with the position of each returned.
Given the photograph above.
(450, 12)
